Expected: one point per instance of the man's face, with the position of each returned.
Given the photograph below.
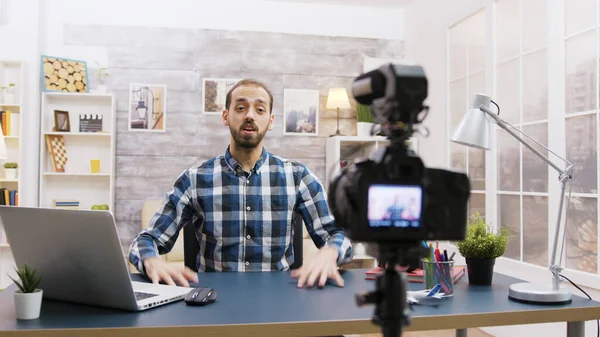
(249, 115)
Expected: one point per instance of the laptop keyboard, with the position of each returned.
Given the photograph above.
(142, 296)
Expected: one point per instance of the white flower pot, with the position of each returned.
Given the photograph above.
(10, 173)
(363, 129)
(28, 306)
(100, 89)
(9, 98)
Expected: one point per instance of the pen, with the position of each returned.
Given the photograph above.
(452, 256)
(445, 255)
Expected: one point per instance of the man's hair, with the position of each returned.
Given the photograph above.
(249, 82)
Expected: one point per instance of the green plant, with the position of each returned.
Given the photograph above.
(363, 113)
(101, 73)
(29, 279)
(11, 165)
(481, 242)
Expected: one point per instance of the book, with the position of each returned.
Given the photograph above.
(416, 276)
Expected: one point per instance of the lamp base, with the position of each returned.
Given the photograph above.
(538, 293)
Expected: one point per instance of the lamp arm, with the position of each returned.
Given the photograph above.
(505, 125)
(565, 175)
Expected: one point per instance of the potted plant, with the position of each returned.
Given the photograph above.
(9, 95)
(364, 120)
(28, 298)
(11, 170)
(480, 248)
(101, 74)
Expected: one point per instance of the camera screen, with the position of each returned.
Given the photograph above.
(395, 206)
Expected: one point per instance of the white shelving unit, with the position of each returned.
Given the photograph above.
(77, 182)
(350, 148)
(11, 71)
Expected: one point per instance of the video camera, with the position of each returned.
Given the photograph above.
(392, 199)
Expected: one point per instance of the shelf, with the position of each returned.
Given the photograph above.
(11, 106)
(360, 139)
(77, 94)
(68, 174)
(80, 134)
(9, 180)
(6, 245)
(11, 137)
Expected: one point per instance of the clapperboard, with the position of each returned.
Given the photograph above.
(90, 123)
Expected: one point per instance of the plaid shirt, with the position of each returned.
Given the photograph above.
(243, 220)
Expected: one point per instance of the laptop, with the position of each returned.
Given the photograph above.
(80, 255)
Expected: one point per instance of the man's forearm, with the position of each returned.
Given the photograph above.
(343, 246)
(143, 247)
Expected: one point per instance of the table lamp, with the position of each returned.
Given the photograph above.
(474, 131)
(338, 99)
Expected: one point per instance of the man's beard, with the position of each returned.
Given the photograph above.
(247, 141)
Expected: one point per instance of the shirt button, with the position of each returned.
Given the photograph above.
(247, 263)
(247, 181)
(248, 237)
(248, 208)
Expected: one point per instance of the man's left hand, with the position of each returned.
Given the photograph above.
(322, 267)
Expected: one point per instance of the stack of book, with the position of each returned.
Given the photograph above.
(9, 197)
(417, 274)
(65, 204)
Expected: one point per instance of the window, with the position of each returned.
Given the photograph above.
(522, 93)
(466, 67)
(581, 129)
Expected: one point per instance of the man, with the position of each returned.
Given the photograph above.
(394, 211)
(241, 206)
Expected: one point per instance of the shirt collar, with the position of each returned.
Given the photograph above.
(234, 165)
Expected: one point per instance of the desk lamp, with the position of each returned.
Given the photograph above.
(474, 131)
(338, 99)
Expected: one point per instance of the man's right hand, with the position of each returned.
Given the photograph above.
(158, 270)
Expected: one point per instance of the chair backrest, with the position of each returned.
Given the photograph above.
(191, 248)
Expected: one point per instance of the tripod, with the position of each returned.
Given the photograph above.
(391, 309)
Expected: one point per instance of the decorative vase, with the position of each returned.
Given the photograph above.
(100, 89)
(28, 305)
(363, 129)
(9, 98)
(10, 173)
(480, 271)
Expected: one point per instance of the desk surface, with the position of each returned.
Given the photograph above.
(270, 304)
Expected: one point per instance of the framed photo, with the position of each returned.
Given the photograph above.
(301, 112)
(62, 74)
(214, 93)
(62, 122)
(147, 107)
(57, 151)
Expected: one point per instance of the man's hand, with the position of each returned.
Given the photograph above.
(322, 267)
(159, 270)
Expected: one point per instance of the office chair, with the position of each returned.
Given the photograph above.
(191, 247)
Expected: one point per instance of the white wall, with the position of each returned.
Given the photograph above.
(427, 22)
(243, 15)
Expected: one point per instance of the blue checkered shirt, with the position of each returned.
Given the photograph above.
(243, 220)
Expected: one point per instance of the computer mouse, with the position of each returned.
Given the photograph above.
(201, 296)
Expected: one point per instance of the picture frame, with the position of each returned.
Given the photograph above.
(214, 94)
(301, 112)
(62, 121)
(147, 107)
(61, 74)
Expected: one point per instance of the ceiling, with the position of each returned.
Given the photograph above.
(368, 3)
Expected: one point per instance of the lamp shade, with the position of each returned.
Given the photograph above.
(338, 98)
(474, 128)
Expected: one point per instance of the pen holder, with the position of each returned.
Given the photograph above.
(435, 272)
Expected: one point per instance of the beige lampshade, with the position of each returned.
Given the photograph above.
(338, 98)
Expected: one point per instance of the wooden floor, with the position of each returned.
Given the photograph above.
(436, 333)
